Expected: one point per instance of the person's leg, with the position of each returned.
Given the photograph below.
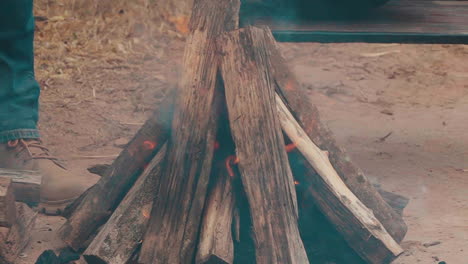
(19, 91)
(20, 147)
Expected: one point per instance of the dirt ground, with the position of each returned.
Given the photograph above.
(418, 93)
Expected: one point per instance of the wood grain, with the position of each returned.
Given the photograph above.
(177, 211)
(358, 225)
(307, 115)
(7, 203)
(119, 238)
(96, 205)
(264, 168)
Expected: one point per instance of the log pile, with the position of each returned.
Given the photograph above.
(236, 167)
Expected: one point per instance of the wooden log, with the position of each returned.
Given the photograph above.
(396, 201)
(19, 234)
(7, 203)
(118, 239)
(94, 207)
(177, 211)
(264, 169)
(216, 245)
(357, 223)
(26, 184)
(308, 117)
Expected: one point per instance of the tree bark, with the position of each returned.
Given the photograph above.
(308, 117)
(121, 235)
(216, 245)
(176, 215)
(94, 207)
(26, 184)
(7, 203)
(350, 216)
(264, 168)
(19, 234)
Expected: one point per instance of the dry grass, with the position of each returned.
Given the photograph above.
(72, 34)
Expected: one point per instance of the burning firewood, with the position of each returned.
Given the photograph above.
(200, 211)
(308, 117)
(263, 165)
(119, 238)
(177, 212)
(94, 207)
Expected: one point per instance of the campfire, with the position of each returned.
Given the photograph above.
(234, 167)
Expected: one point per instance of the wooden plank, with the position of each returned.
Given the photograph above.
(265, 173)
(404, 21)
(216, 245)
(309, 118)
(177, 212)
(26, 184)
(7, 203)
(19, 234)
(358, 225)
(118, 239)
(95, 206)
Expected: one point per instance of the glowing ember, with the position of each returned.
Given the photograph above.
(290, 147)
(231, 160)
(145, 213)
(149, 145)
(296, 182)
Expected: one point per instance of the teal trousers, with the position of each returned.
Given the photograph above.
(19, 91)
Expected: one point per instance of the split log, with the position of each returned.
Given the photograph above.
(7, 203)
(396, 201)
(308, 117)
(264, 168)
(216, 245)
(26, 184)
(177, 211)
(19, 234)
(94, 207)
(358, 225)
(117, 241)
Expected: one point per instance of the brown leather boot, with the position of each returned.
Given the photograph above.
(59, 187)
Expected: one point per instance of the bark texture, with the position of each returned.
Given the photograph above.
(177, 210)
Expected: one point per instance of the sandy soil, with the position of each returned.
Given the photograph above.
(419, 93)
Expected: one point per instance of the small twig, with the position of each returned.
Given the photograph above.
(95, 157)
(382, 139)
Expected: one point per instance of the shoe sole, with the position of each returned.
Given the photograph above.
(54, 207)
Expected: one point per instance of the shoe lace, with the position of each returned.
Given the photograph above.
(41, 152)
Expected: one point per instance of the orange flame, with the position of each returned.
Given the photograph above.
(296, 182)
(149, 145)
(231, 160)
(145, 213)
(290, 147)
